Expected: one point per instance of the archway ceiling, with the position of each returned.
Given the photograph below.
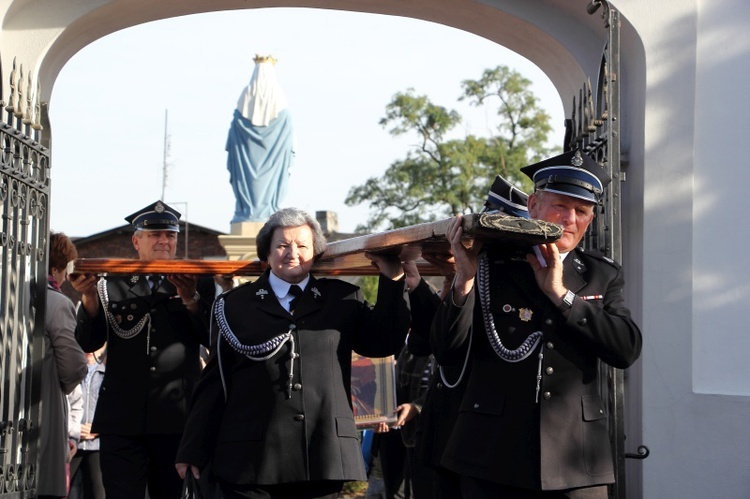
(559, 36)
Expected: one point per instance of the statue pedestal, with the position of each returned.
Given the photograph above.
(240, 242)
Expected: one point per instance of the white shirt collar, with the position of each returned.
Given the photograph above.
(281, 287)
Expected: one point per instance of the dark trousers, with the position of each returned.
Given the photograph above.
(475, 488)
(420, 477)
(324, 489)
(130, 464)
(86, 476)
(446, 484)
(392, 455)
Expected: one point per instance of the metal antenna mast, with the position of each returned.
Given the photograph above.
(166, 155)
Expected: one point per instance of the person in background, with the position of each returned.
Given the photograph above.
(154, 327)
(273, 409)
(437, 406)
(63, 368)
(532, 422)
(405, 473)
(85, 470)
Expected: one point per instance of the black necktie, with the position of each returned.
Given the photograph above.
(155, 280)
(295, 291)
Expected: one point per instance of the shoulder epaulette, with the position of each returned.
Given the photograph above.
(598, 255)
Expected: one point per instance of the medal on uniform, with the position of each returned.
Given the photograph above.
(525, 314)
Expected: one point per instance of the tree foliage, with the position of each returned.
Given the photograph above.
(443, 175)
(369, 286)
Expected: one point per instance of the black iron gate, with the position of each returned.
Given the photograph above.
(24, 207)
(595, 128)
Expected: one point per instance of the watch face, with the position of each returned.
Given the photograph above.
(568, 298)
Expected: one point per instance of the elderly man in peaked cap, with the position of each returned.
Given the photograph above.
(534, 328)
(154, 327)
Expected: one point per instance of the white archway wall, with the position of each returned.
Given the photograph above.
(694, 376)
(532, 35)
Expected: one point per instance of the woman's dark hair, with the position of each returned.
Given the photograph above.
(288, 217)
(61, 251)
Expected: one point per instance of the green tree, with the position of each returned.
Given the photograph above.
(443, 176)
(369, 286)
(522, 125)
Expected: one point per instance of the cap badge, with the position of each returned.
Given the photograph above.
(525, 314)
(159, 208)
(134, 279)
(315, 292)
(577, 160)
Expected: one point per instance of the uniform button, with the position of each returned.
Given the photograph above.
(152, 369)
(549, 322)
(153, 349)
(153, 329)
(582, 322)
(133, 306)
(547, 395)
(440, 386)
(153, 310)
(299, 417)
(550, 370)
(297, 387)
(550, 345)
(476, 406)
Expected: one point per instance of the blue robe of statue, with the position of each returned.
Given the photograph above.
(258, 160)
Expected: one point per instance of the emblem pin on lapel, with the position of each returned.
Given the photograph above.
(525, 314)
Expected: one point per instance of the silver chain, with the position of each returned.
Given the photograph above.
(529, 344)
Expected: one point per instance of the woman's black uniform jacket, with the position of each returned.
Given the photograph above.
(267, 429)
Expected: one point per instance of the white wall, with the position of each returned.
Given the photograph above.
(695, 289)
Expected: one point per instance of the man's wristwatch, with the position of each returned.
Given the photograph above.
(567, 301)
(193, 300)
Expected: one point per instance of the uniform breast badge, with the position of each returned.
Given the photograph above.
(525, 314)
(262, 293)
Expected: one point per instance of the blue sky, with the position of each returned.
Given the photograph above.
(337, 69)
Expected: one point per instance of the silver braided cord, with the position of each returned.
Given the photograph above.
(528, 345)
(260, 352)
(257, 353)
(126, 334)
(463, 368)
